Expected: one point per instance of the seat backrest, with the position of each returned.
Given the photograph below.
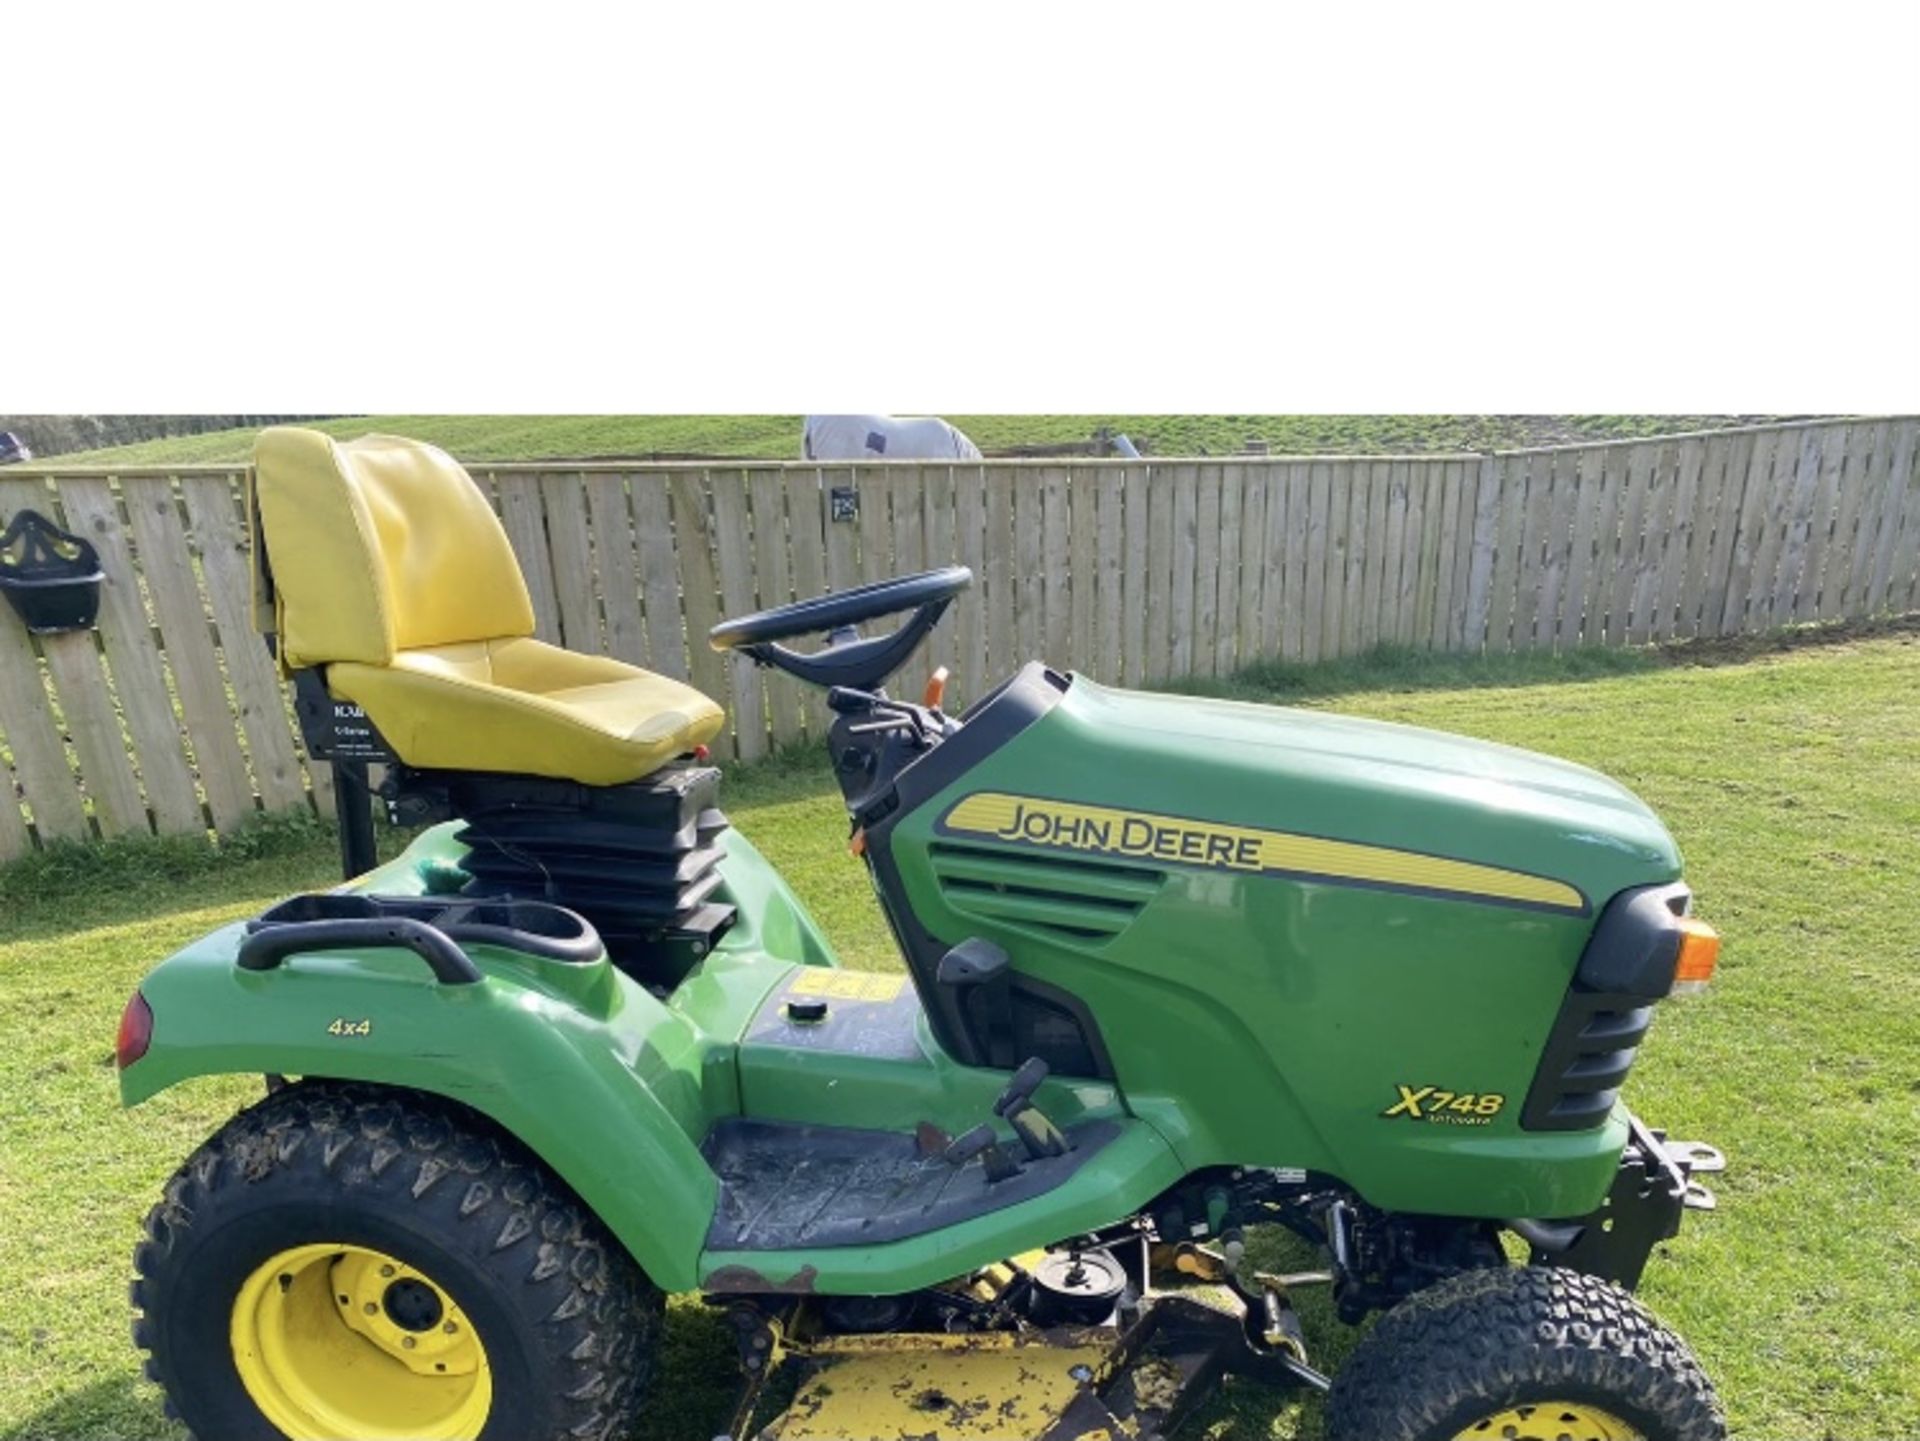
(380, 545)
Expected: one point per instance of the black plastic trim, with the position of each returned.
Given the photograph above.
(1024, 699)
(638, 861)
(534, 928)
(990, 724)
(1626, 967)
(1067, 1001)
(1636, 942)
(1585, 1061)
(269, 946)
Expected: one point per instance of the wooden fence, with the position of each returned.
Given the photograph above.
(170, 717)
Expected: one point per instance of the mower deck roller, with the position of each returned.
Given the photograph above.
(1169, 969)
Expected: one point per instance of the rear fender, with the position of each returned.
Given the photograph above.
(602, 1082)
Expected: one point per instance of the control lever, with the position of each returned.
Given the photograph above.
(981, 1142)
(847, 700)
(975, 977)
(892, 720)
(1020, 1089)
(1036, 1132)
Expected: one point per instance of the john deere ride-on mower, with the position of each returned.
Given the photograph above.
(1173, 968)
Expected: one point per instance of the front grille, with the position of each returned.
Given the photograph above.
(1086, 900)
(1588, 1054)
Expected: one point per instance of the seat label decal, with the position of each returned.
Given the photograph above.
(829, 982)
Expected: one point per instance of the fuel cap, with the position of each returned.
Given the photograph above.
(806, 1009)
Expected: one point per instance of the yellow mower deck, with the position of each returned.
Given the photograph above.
(994, 1384)
(1133, 1379)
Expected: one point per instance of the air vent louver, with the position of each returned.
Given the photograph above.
(1592, 1047)
(1088, 900)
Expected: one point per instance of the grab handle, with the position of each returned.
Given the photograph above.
(268, 946)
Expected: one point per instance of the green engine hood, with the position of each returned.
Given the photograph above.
(1363, 781)
(1272, 920)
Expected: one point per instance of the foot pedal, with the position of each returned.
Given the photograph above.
(1036, 1132)
(982, 1142)
(1277, 1327)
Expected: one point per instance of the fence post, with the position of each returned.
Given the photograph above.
(1486, 513)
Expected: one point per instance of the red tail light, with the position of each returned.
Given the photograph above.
(136, 1031)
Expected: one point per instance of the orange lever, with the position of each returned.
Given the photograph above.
(936, 690)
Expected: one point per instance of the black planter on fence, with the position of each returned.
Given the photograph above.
(52, 578)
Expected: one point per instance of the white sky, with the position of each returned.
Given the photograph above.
(997, 207)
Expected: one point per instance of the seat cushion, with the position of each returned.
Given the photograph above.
(521, 705)
(380, 545)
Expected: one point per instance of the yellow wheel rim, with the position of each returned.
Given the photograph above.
(1551, 1421)
(334, 1340)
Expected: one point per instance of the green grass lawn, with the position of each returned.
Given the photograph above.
(1791, 779)
(537, 437)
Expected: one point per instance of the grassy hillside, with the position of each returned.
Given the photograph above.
(1790, 780)
(537, 437)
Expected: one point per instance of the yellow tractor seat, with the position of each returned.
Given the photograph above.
(391, 574)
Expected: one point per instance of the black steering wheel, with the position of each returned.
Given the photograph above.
(846, 659)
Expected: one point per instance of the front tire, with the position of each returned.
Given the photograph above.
(346, 1260)
(1524, 1353)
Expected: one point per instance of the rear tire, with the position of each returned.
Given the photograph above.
(1526, 1353)
(323, 1183)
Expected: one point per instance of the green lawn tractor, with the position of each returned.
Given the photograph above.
(1173, 969)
